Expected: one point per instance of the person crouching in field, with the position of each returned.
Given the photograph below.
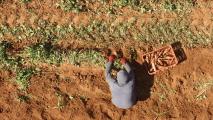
(123, 87)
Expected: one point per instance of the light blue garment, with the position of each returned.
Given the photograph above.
(123, 93)
(122, 77)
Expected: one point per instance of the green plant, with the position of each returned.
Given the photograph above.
(7, 61)
(86, 57)
(23, 76)
(43, 52)
(202, 88)
(169, 5)
(165, 92)
(62, 98)
(162, 97)
(159, 114)
(122, 3)
(25, 1)
(23, 98)
(71, 5)
(146, 8)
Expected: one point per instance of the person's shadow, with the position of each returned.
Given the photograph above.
(143, 81)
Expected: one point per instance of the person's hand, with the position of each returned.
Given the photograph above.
(123, 60)
(111, 58)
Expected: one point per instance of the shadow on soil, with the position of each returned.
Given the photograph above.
(144, 81)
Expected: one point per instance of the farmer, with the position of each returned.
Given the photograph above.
(122, 88)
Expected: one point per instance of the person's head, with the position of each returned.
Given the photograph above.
(122, 77)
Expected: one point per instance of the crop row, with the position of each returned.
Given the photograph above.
(100, 32)
(115, 6)
(27, 62)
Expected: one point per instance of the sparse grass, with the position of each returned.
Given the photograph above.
(162, 97)
(8, 62)
(123, 3)
(25, 1)
(83, 98)
(165, 92)
(23, 98)
(85, 57)
(159, 114)
(71, 5)
(169, 32)
(62, 98)
(43, 53)
(203, 87)
(101, 32)
(169, 5)
(15, 64)
(23, 76)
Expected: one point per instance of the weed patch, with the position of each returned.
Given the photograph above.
(23, 76)
(203, 88)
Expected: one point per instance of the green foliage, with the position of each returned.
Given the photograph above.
(62, 98)
(122, 3)
(71, 5)
(169, 5)
(168, 32)
(146, 8)
(6, 61)
(23, 76)
(3, 46)
(23, 98)
(105, 32)
(43, 53)
(165, 92)
(202, 87)
(86, 57)
(25, 1)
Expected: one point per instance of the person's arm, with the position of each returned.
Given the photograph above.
(109, 69)
(127, 67)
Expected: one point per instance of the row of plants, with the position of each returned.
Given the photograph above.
(26, 63)
(101, 32)
(15, 64)
(113, 7)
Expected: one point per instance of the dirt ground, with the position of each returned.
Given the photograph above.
(91, 96)
(180, 93)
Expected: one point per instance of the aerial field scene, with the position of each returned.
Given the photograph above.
(106, 60)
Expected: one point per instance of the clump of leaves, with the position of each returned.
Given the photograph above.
(3, 46)
(146, 8)
(203, 87)
(23, 98)
(169, 5)
(122, 3)
(6, 61)
(25, 1)
(23, 76)
(63, 98)
(71, 5)
(86, 57)
(43, 52)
